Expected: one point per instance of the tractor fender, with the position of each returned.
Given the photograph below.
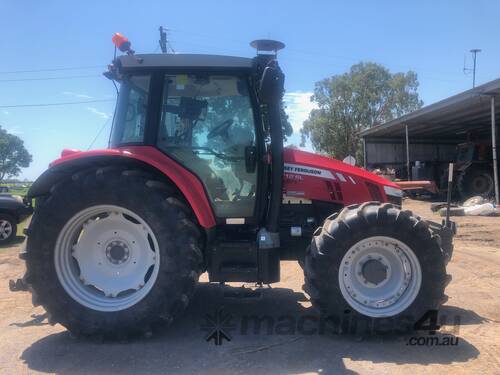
(148, 157)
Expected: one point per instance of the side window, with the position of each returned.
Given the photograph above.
(207, 124)
(132, 107)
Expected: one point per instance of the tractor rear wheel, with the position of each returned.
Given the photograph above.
(475, 181)
(376, 267)
(113, 253)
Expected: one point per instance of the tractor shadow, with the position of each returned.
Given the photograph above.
(36, 320)
(14, 242)
(262, 333)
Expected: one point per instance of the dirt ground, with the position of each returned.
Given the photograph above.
(28, 344)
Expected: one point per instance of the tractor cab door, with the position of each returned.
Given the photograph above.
(207, 124)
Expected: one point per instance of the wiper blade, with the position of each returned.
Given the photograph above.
(215, 153)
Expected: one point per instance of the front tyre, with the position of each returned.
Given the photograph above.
(377, 267)
(112, 253)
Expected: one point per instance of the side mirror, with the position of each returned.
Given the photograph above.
(271, 85)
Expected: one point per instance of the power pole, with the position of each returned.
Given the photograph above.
(163, 40)
(474, 53)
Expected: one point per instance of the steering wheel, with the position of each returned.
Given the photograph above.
(220, 129)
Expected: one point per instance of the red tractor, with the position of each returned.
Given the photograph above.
(196, 179)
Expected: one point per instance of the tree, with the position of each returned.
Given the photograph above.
(13, 155)
(285, 124)
(368, 95)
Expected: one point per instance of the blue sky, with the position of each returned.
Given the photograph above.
(323, 38)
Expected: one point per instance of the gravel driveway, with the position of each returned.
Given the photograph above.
(286, 339)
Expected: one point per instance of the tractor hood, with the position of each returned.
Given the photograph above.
(316, 177)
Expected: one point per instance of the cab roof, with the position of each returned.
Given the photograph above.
(151, 61)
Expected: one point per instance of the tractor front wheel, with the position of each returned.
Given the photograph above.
(375, 267)
(113, 253)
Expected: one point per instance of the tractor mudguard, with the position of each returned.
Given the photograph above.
(72, 161)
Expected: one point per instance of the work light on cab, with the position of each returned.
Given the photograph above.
(122, 43)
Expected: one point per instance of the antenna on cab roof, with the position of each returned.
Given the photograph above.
(267, 46)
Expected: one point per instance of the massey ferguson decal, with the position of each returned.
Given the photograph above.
(298, 169)
(293, 178)
(309, 171)
(341, 177)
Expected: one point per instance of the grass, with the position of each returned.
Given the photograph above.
(22, 225)
(22, 191)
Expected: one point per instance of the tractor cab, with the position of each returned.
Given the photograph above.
(473, 152)
(219, 118)
(205, 119)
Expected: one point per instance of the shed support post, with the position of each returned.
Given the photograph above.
(407, 154)
(494, 148)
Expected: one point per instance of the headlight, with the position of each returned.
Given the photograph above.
(394, 195)
(395, 192)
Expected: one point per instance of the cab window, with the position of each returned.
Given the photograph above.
(132, 107)
(207, 124)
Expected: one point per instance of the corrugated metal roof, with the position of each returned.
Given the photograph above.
(451, 117)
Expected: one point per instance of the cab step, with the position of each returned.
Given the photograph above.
(243, 262)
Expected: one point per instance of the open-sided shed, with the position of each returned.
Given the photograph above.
(430, 135)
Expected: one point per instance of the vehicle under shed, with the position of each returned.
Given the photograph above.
(460, 129)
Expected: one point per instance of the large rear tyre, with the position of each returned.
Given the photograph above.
(376, 267)
(112, 253)
(475, 181)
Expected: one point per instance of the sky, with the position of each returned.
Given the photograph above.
(323, 38)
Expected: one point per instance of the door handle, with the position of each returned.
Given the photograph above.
(250, 158)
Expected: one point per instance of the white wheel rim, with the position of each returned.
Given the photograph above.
(380, 276)
(5, 229)
(107, 258)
